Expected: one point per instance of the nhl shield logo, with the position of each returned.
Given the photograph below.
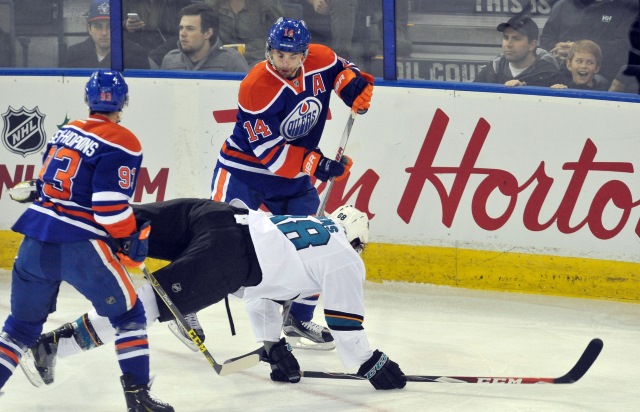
(23, 130)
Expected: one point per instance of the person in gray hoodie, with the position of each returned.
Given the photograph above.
(521, 63)
(199, 47)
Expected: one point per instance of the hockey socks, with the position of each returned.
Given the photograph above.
(10, 353)
(303, 309)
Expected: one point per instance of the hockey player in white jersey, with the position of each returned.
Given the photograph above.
(277, 259)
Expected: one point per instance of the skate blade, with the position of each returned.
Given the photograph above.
(304, 343)
(28, 366)
(177, 331)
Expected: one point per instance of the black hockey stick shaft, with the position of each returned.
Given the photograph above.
(341, 148)
(235, 365)
(581, 367)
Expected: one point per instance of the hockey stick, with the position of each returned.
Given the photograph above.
(233, 365)
(258, 352)
(343, 145)
(587, 359)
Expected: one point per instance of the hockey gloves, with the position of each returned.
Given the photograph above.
(133, 250)
(315, 164)
(284, 366)
(24, 192)
(382, 372)
(355, 88)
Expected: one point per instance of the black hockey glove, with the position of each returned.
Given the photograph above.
(284, 366)
(382, 372)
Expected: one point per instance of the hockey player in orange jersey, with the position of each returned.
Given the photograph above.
(81, 229)
(273, 151)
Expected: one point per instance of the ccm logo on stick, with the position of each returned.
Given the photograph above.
(499, 380)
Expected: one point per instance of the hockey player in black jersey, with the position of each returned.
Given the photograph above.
(216, 249)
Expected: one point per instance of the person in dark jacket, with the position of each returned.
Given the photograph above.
(153, 25)
(605, 22)
(521, 63)
(95, 52)
(199, 47)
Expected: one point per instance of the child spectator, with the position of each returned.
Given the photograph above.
(583, 64)
(605, 22)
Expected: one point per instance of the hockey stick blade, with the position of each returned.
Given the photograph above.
(581, 367)
(239, 363)
(252, 355)
(221, 369)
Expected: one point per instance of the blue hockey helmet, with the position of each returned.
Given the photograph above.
(289, 35)
(106, 91)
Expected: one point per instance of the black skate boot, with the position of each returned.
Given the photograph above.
(139, 399)
(39, 362)
(305, 335)
(179, 332)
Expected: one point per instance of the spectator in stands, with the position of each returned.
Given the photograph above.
(332, 23)
(5, 49)
(606, 22)
(521, 63)
(628, 77)
(199, 47)
(156, 28)
(246, 22)
(583, 64)
(626, 81)
(95, 51)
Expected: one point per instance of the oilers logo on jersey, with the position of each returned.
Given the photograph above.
(301, 119)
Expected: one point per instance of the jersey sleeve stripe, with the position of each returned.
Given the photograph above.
(278, 150)
(113, 208)
(110, 197)
(238, 155)
(74, 222)
(267, 146)
(70, 212)
(122, 227)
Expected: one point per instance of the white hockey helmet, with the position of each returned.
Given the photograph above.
(355, 224)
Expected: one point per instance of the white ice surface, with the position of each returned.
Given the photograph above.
(428, 330)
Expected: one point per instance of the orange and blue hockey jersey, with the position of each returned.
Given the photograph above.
(85, 185)
(280, 119)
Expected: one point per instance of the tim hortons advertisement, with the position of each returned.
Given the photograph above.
(487, 171)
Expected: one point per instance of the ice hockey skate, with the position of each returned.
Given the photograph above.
(305, 335)
(176, 329)
(139, 399)
(38, 363)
